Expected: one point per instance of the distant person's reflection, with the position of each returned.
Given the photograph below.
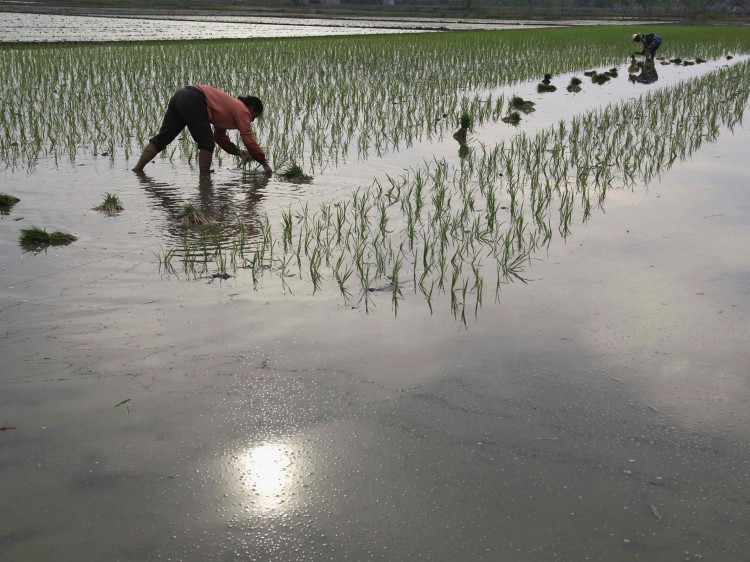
(226, 202)
(648, 74)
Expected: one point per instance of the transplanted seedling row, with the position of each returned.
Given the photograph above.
(327, 99)
(454, 230)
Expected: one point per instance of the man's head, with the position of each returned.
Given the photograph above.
(254, 105)
(637, 37)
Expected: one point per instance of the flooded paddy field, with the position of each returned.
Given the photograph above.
(477, 342)
(100, 26)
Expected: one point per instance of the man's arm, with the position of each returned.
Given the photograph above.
(222, 139)
(255, 151)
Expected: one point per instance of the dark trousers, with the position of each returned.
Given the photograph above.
(187, 108)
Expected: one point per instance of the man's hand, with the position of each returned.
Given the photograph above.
(267, 169)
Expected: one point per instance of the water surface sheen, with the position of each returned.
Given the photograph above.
(596, 412)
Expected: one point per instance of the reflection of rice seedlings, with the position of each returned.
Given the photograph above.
(513, 118)
(543, 88)
(699, 60)
(7, 201)
(547, 78)
(111, 204)
(192, 215)
(165, 260)
(676, 60)
(36, 238)
(294, 172)
(590, 73)
(612, 73)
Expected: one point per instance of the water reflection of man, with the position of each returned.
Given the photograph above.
(198, 107)
(648, 74)
(220, 204)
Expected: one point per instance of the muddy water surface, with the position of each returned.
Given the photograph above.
(597, 412)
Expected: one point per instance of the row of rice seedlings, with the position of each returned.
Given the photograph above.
(438, 229)
(368, 93)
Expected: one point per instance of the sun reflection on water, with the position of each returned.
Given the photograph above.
(268, 474)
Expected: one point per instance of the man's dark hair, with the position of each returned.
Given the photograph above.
(253, 103)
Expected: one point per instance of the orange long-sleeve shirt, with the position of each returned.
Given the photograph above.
(226, 112)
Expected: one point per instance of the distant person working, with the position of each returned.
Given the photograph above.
(650, 41)
(198, 107)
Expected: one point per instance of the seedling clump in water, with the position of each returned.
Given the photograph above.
(575, 84)
(520, 104)
(465, 122)
(7, 202)
(295, 173)
(545, 85)
(193, 215)
(111, 205)
(513, 118)
(36, 238)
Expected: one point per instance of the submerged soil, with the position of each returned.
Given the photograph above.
(598, 411)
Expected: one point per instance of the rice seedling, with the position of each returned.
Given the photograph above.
(513, 118)
(466, 121)
(111, 205)
(36, 238)
(7, 202)
(600, 78)
(544, 88)
(520, 104)
(295, 173)
(192, 215)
